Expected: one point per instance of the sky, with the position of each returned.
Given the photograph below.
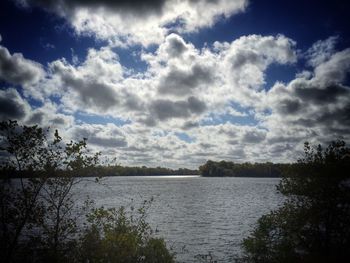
(175, 83)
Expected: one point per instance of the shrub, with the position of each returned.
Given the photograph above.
(114, 235)
(313, 225)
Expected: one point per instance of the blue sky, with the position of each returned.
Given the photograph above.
(178, 82)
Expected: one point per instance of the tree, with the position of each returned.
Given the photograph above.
(37, 215)
(313, 225)
(37, 177)
(118, 235)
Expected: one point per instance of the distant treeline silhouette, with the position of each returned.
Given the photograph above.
(118, 170)
(231, 169)
(105, 171)
(209, 169)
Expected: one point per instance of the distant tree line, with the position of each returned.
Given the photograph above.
(118, 170)
(231, 169)
(103, 171)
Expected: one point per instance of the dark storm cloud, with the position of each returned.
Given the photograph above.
(16, 69)
(167, 109)
(64, 7)
(11, 105)
(182, 82)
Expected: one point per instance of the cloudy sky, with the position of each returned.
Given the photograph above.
(177, 82)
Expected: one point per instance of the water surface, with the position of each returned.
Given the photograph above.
(195, 215)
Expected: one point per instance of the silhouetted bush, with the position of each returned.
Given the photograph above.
(38, 220)
(113, 235)
(313, 225)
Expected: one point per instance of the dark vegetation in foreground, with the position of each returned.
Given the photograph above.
(39, 217)
(313, 225)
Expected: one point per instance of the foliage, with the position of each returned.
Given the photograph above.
(38, 217)
(113, 235)
(118, 170)
(36, 211)
(313, 225)
(230, 169)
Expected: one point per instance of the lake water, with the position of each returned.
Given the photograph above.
(195, 215)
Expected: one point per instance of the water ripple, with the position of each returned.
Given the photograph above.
(195, 215)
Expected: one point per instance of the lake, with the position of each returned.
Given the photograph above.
(195, 215)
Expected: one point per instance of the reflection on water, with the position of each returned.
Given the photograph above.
(194, 214)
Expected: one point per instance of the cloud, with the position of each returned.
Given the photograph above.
(49, 115)
(318, 105)
(16, 69)
(91, 84)
(174, 46)
(253, 136)
(214, 75)
(145, 22)
(289, 106)
(180, 86)
(208, 94)
(321, 51)
(335, 70)
(109, 136)
(166, 109)
(36, 118)
(12, 106)
(67, 6)
(92, 94)
(183, 82)
(247, 58)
